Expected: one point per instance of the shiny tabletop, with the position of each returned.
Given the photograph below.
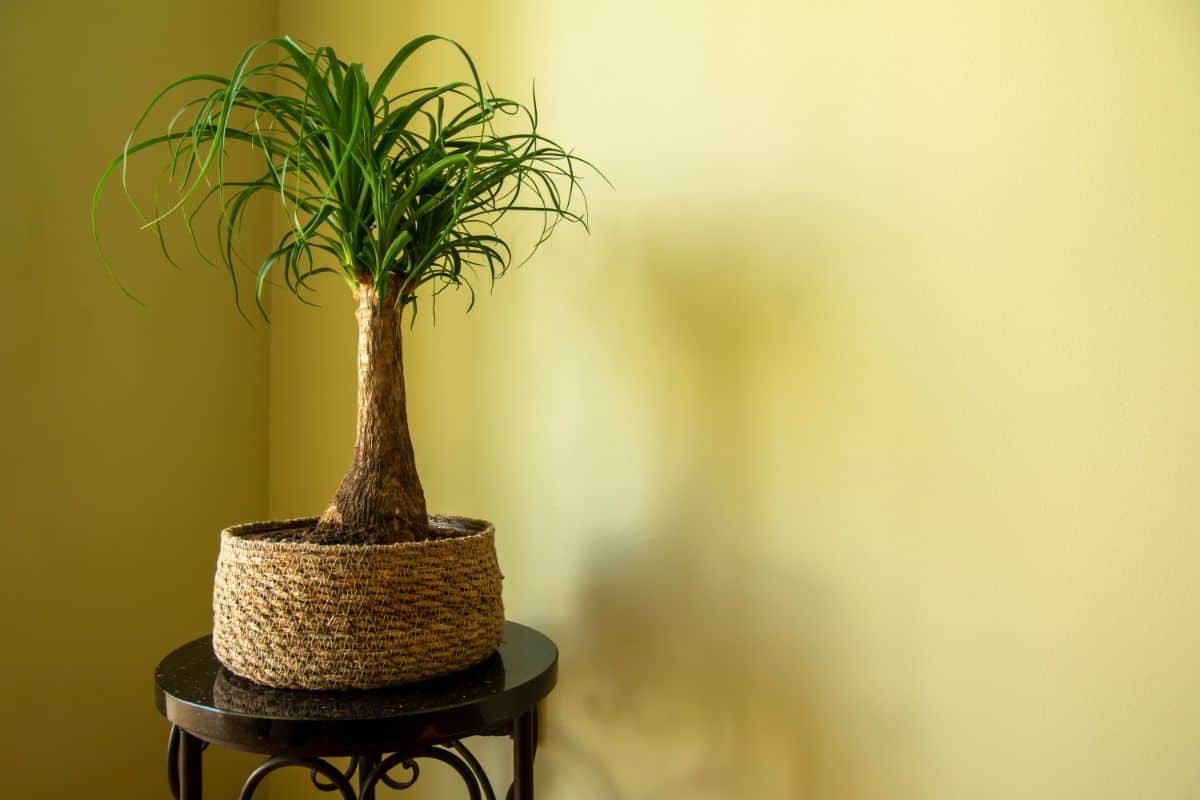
(193, 691)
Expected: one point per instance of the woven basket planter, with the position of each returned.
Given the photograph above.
(298, 615)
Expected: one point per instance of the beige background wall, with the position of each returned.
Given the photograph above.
(851, 457)
(128, 436)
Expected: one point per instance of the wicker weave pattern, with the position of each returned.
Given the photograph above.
(311, 616)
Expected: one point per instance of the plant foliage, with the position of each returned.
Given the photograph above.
(397, 189)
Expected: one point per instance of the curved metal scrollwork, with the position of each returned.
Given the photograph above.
(488, 792)
(315, 776)
(370, 769)
(319, 766)
(462, 767)
(413, 767)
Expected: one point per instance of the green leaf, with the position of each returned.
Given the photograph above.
(401, 186)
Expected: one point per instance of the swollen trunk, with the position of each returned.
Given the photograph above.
(380, 499)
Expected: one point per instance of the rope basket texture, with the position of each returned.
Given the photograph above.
(300, 615)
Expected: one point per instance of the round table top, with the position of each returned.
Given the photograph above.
(193, 691)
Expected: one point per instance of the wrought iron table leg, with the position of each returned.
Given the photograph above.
(190, 768)
(524, 748)
(366, 764)
(173, 762)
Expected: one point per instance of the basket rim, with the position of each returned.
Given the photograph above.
(242, 535)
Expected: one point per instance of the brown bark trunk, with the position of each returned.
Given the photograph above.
(380, 499)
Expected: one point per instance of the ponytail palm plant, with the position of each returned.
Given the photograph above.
(398, 192)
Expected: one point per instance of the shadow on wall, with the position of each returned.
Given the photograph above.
(681, 686)
(700, 663)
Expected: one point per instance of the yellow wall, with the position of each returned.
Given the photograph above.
(130, 435)
(853, 456)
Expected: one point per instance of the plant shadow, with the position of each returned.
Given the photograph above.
(705, 658)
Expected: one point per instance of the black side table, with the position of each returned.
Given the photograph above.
(382, 731)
